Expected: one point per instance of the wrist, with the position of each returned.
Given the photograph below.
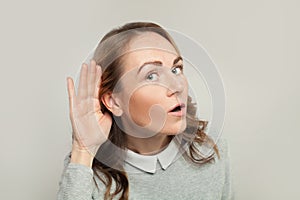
(81, 156)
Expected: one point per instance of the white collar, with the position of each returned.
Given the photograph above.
(148, 163)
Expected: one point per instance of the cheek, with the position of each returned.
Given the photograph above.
(185, 81)
(140, 103)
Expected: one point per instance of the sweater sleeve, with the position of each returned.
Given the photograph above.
(76, 181)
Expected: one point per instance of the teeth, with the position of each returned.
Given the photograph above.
(178, 108)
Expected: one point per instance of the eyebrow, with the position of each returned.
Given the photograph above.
(158, 63)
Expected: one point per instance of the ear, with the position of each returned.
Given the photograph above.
(112, 104)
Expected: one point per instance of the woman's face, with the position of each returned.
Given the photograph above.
(155, 78)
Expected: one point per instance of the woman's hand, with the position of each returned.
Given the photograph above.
(90, 126)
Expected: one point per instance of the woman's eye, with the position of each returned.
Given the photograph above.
(152, 76)
(178, 69)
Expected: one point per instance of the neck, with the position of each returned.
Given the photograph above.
(148, 146)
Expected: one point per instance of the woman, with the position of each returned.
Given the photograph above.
(135, 130)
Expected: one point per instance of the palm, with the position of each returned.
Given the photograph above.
(90, 126)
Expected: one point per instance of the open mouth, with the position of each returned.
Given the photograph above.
(177, 108)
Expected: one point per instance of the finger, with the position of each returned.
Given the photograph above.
(97, 81)
(71, 92)
(91, 78)
(82, 88)
(72, 95)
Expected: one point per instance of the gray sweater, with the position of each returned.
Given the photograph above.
(179, 179)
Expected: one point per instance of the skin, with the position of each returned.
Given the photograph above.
(143, 98)
(91, 127)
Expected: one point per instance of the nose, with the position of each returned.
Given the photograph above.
(176, 85)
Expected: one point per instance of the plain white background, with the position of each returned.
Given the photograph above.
(254, 43)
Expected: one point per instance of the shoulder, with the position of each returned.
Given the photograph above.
(223, 147)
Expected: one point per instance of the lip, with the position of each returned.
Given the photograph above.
(178, 113)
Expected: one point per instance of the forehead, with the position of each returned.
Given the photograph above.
(150, 40)
(149, 46)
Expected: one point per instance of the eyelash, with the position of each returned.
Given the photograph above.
(180, 67)
(151, 72)
(154, 71)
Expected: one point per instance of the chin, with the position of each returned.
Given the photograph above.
(175, 129)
